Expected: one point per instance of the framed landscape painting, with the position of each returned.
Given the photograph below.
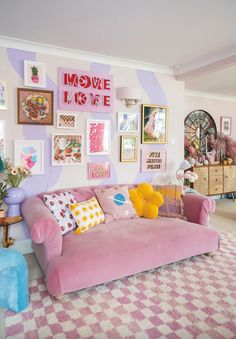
(67, 149)
(30, 154)
(154, 124)
(34, 74)
(35, 106)
(128, 122)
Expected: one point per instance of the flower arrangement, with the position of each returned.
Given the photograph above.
(186, 178)
(14, 175)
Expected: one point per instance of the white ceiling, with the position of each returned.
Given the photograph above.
(197, 38)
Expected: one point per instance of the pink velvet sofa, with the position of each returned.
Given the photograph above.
(117, 249)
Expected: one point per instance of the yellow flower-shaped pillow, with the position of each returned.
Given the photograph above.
(146, 201)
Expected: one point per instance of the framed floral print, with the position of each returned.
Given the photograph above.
(154, 124)
(128, 148)
(34, 74)
(225, 125)
(128, 122)
(3, 95)
(35, 106)
(66, 120)
(67, 149)
(30, 154)
(98, 137)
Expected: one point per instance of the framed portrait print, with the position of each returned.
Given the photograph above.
(128, 122)
(154, 124)
(98, 137)
(66, 120)
(30, 154)
(3, 95)
(128, 148)
(67, 149)
(225, 125)
(34, 74)
(35, 106)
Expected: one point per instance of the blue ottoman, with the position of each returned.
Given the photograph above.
(14, 291)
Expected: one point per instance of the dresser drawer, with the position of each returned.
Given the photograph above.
(216, 189)
(215, 170)
(216, 180)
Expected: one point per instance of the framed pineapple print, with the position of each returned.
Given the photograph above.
(34, 74)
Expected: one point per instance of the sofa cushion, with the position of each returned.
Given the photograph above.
(87, 214)
(115, 203)
(58, 204)
(173, 204)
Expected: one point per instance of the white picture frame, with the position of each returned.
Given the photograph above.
(34, 74)
(3, 95)
(67, 149)
(128, 122)
(30, 154)
(98, 137)
(66, 120)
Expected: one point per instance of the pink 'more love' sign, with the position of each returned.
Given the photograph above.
(85, 91)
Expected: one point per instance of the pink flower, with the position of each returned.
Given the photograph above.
(14, 170)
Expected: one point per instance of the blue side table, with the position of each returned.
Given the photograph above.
(14, 290)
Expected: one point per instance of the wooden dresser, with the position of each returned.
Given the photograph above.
(215, 179)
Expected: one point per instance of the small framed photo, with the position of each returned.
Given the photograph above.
(3, 95)
(30, 154)
(67, 149)
(34, 74)
(35, 106)
(153, 161)
(66, 120)
(225, 125)
(128, 122)
(128, 148)
(99, 170)
(154, 124)
(98, 137)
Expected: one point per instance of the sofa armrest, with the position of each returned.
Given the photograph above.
(44, 229)
(198, 207)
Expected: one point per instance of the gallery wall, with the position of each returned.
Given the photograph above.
(156, 88)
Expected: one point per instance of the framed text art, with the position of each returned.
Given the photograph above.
(67, 149)
(98, 137)
(225, 125)
(128, 148)
(153, 161)
(99, 170)
(35, 106)
(3, 95)
(34, 74)
(66, 120)
(30, 154)
(154, 124)
(128, 122)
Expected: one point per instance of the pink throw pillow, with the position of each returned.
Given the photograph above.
(115, 203)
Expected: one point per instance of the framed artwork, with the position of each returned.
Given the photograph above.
(66, 120)
(35, 106)
(67, 149)
(3, 95)
(2, 139)
(153, 161)
(127, 122)
(98, 137)
(30, 154)
(154, 124)
(99, 170)
(225, 125)
(34, 74)
(128, 148)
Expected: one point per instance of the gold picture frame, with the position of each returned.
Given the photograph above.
(128, 148)
(154, 124)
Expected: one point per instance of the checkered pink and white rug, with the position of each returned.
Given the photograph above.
(195, 298)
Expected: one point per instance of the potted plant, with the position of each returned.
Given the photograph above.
(3, 194)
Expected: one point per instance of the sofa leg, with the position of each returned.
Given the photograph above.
(60, 297)
(210, 254)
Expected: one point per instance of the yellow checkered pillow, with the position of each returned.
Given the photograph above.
(87, 214)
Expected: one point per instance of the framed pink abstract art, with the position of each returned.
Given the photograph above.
(30, 154)
(98, 137)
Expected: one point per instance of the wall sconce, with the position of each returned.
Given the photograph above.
(131, 95)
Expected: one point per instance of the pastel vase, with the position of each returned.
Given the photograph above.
(15, 196)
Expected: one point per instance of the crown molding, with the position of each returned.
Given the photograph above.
(209, 95)
(31, 46)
